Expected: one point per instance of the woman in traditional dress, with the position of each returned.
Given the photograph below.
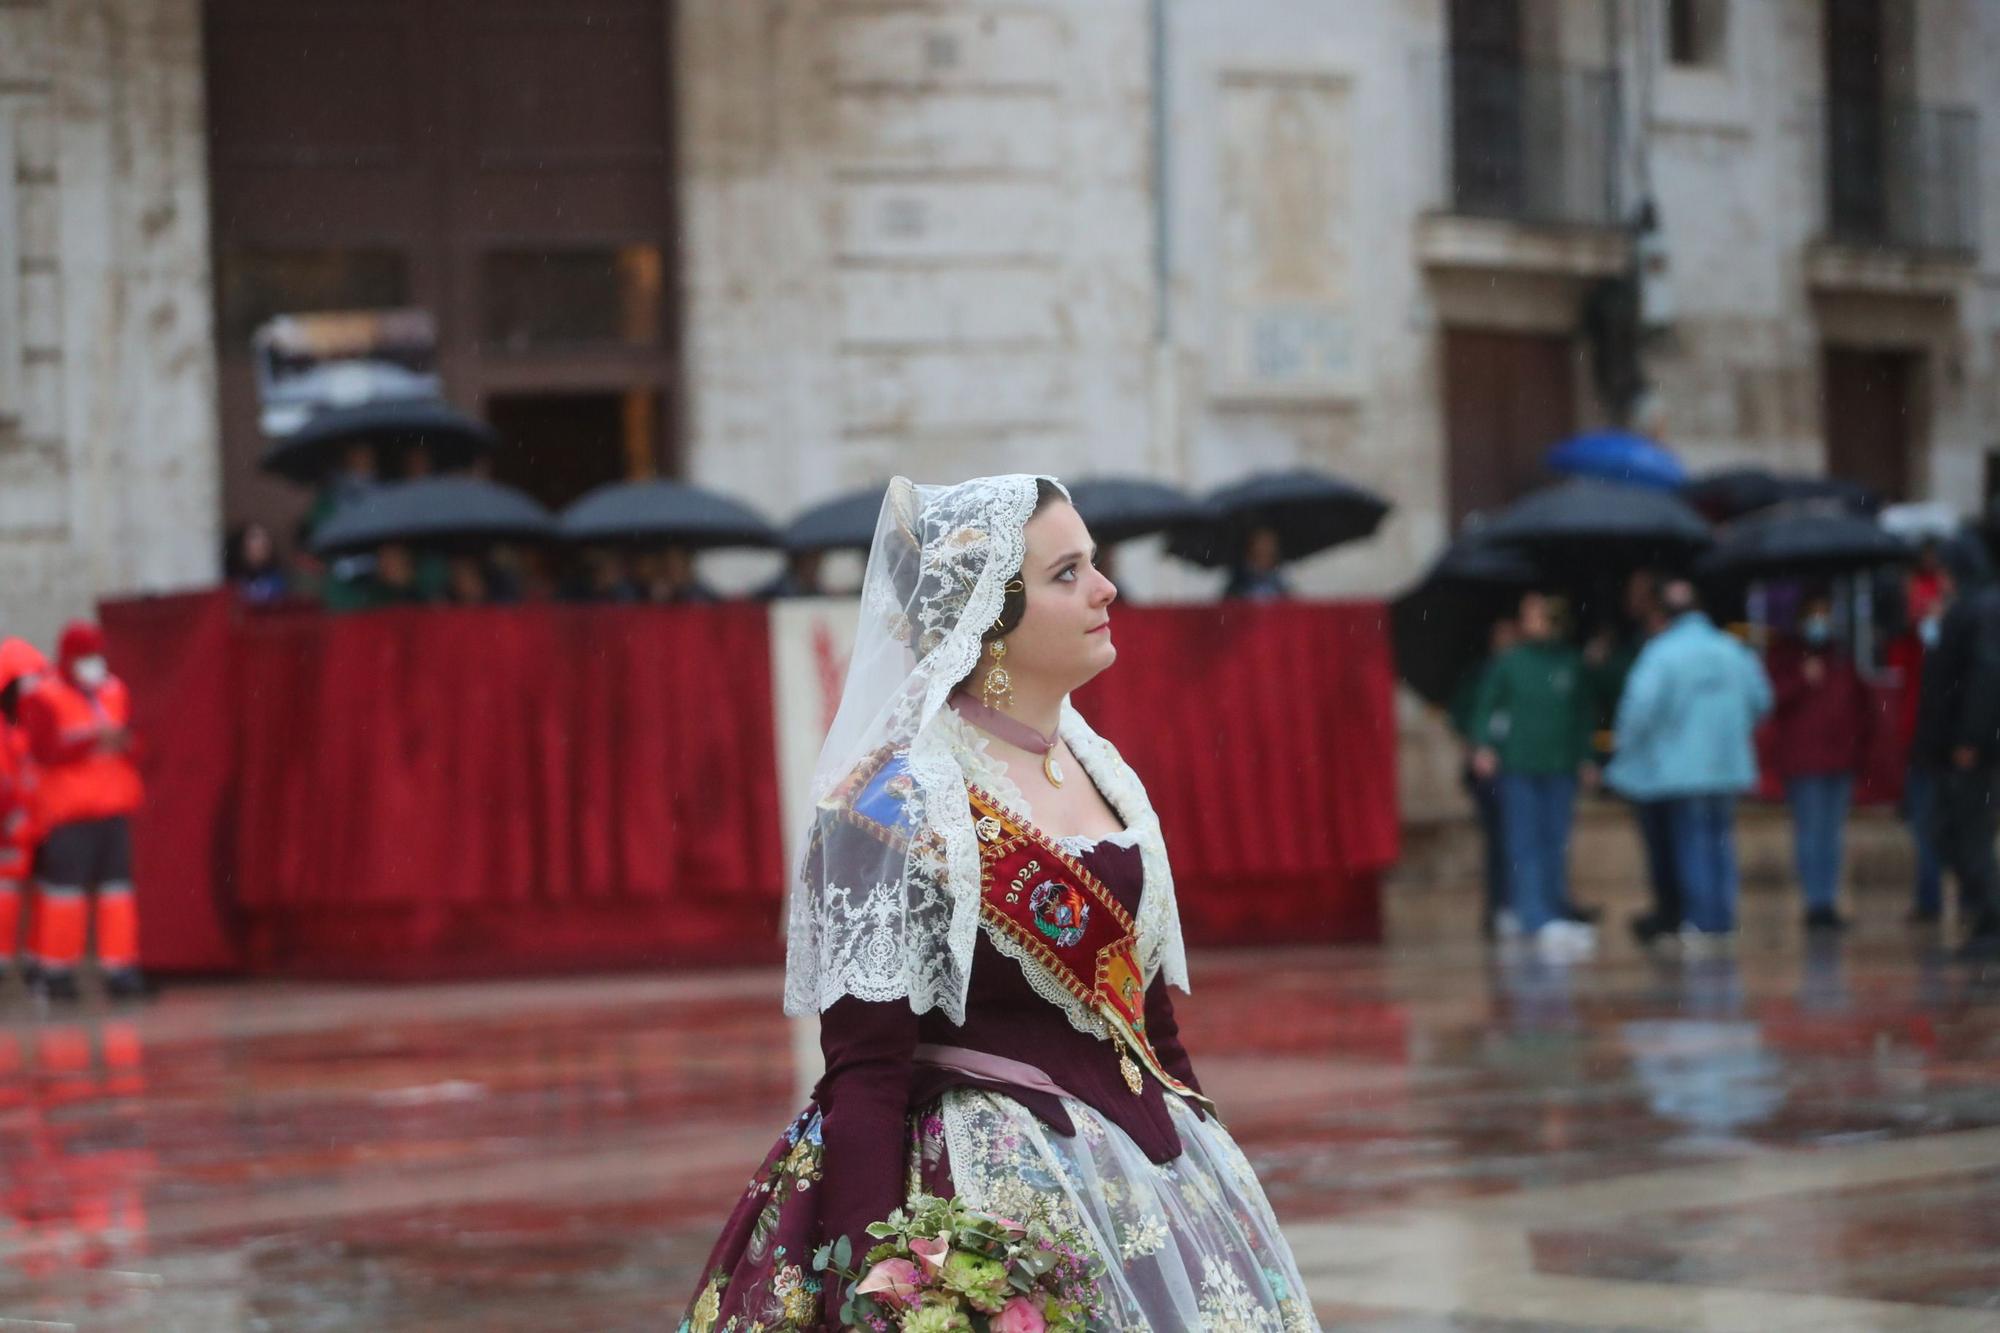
(985, 924)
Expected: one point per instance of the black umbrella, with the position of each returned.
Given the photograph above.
(1601, 523)
(664, 513)
(1442, 627)
(434, 511)
(1117, 509)
(1738, 491)
(1791, 540)
(1475, 561)
(392, 429)
(1310, 512)
(846, 522)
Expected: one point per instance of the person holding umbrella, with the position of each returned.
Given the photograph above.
(1256, 526)
(396, 579)
(1649, 617)
(1823, 727)
(1684, 737)
(467, 581)
(1531, 724)
(1958, 736)
(356, 477)
(1260, 576)
(1906, 655)
(602, 577)
(669, 578)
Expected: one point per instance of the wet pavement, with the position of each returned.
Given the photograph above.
(1796, 1137)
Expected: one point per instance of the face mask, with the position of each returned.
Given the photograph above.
(90, 672)
(1818, 631)
(1927, 631)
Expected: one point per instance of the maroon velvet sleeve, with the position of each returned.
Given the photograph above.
(1164, 1032)
(864, 1097)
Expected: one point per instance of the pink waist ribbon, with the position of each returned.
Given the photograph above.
(995, 1067)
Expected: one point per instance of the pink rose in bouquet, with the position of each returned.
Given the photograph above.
(1020, 1315)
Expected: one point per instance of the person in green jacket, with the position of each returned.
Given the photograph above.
(1532, 724)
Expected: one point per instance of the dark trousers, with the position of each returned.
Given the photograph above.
(1493, 835)
(1819, 804)
(1536, 810)
(1920, 800)
(1656, 831)
(1967, 824)
(1704, 836)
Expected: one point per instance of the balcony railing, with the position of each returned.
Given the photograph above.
(1901, 176)
(1524, 142)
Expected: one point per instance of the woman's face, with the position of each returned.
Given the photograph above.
(257, 550)
(1064, 637)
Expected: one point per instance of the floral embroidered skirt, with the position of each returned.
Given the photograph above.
(1187, 1245)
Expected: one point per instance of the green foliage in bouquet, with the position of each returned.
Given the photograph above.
(944, 1268)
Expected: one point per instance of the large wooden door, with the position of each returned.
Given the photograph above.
(1872, 409)
(505, 164)
(1509, 397)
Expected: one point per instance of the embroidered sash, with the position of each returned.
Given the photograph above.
(1073, 927)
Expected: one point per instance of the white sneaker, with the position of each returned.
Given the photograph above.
(1563, 941)
(1697, 943)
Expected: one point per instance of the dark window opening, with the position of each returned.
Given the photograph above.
(559, 446)
(601, 296)
(255, 285)
(1695, 32)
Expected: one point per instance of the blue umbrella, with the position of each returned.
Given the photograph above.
(1612, 455)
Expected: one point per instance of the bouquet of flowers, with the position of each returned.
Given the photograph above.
(944, 1268)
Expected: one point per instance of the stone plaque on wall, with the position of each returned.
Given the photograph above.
(1285, 315)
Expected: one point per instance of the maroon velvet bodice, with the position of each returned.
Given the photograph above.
(872, 1080)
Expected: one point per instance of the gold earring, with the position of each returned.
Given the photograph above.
(996, 689)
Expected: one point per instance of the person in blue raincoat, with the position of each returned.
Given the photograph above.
(1685, 737)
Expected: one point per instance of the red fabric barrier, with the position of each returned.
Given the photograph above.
(422, 793)
(1266, 737)
(175, 654)
(540, 787)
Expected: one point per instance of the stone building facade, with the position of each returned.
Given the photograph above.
(1184, 238)
(108, 455)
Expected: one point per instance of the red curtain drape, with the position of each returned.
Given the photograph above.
(540, 786)
(418, 793)
(1266, 736)
(177, 655)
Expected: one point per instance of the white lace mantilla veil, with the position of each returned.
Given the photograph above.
(886, 902)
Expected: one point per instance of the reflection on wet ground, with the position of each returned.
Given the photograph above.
(1795, 1137)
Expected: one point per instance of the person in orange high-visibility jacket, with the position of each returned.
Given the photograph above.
(79, 724)
(21, 667)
